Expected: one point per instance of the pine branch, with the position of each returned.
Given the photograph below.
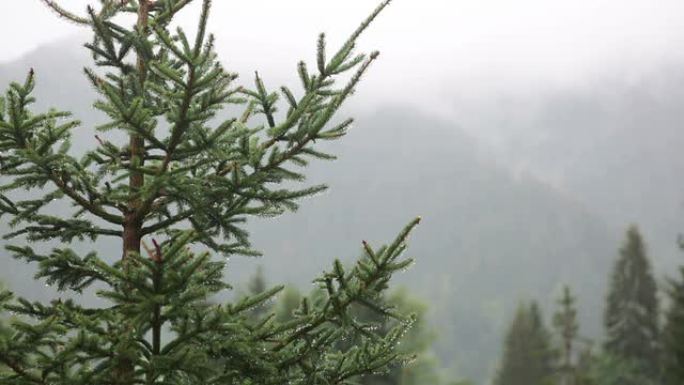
(53, 5)
(179, 170)
(164, 17)
(369, 280)
(20, 371)
(94, 209)
(109, 9)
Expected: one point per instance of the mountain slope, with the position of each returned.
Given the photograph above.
(614, 143)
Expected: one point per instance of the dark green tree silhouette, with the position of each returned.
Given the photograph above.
(256, 286)
(287, 304)
(606, 369)
(631, 314)
(586, 360)
(527, 356)
(5, 333)
(575, 357)
(673, 333)
(173, 173)
(567, 328)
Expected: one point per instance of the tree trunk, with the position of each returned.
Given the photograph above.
(133, 222)
(132, 229)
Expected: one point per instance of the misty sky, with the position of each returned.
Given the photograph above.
(462, 38)
(446, 56)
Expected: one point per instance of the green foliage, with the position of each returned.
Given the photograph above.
(673, 333)
(585, 364)
(631, 314)
(566, 327)
(424, 368)
(256, 286)
(287, 304)
(527, 357)
(5, 333)
(416, 344)
(186, 177)
(575, 360)
(75, 343)
(611, 370)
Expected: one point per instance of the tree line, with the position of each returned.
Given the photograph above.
(637, 347)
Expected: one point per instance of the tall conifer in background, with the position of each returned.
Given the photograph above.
(287, 304)
(527, 355)
(566, 326)
(631, 314)
(256, 286)
(607, 369)
(673, 333)
(186, 175)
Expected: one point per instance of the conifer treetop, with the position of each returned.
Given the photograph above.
(673, 331)
(186, 164)
(631, 316)
(185, 176)
(527, 355)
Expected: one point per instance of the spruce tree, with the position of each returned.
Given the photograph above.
(567, 327)
(424, 369)
(5, 333)
(631, 314)
(607, 369)
(256, 286)
(673, 334)
(527, 356)
(176, 193)
(585, 362)
(287, 304)
(417, 342)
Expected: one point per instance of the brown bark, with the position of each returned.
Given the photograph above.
(132, 233)
(124, 372)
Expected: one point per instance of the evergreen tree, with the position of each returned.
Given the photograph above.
(575, 353)
(631, 315)
(527, 356)
(673, 334)
(184, 178)
(565, 323)
(417, 343)
(607, 369)
(5, 333)
(585, 362)
(424, 368)
(256, 286)
(287, 304)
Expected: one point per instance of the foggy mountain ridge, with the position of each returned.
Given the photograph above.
(613, 144)
(493, 232)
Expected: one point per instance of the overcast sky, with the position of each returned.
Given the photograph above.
(431, 48)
